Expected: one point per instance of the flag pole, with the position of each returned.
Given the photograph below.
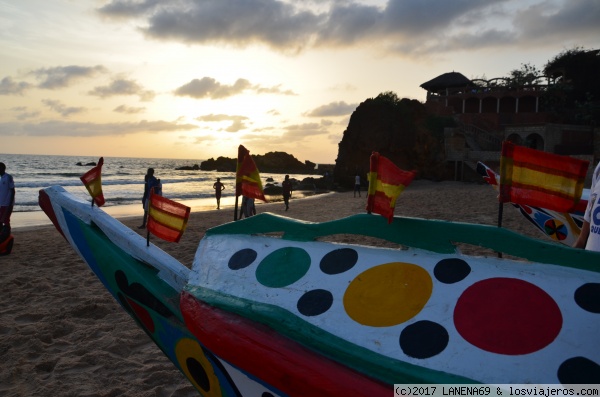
(235, 209)
(147, 237)
(500, 213)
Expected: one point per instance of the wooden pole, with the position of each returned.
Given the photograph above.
(500, 213)
(235, 209)
(147, 237)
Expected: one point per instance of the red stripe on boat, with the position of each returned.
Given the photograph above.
(46, 206)
(276, 360)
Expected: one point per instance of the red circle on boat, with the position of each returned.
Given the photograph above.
(507, 316)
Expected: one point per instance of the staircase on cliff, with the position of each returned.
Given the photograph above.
(467, 144)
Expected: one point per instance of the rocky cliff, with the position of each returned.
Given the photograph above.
(399, 129)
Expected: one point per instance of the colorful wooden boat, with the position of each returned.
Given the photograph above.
(558, 226)
(268, 309)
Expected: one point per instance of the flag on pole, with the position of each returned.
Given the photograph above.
(93, 183)
(386, 182)
(247, 179)
(167, 219)
(539, 179)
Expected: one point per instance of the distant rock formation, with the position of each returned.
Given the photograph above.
(272, 162)
(194, 167)
(91, 163)
(398, 129)
(221, 164)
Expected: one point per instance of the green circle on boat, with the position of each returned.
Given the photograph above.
(283, 267)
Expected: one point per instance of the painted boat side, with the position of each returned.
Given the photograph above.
(146, 282)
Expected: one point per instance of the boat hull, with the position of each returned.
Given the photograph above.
(288, 314)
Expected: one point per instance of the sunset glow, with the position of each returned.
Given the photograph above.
(194, 79)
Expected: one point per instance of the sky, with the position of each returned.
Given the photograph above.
(194, 79)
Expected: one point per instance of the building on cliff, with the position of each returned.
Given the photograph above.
(488, 112)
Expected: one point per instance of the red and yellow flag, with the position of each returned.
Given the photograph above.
(540, 179)
(167, 219)
(247, 179)
(93, 183)
(386, 182)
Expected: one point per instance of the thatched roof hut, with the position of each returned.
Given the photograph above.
(447, 80)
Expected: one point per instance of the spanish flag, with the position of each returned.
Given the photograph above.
(539, 179)
(93, 183)
(386, 182)
(247, 179)
(167, 219)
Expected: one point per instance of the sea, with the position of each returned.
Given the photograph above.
(122, 180)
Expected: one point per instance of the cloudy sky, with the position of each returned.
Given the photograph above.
(194, 79)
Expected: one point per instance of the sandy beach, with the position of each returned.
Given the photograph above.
(62, 333)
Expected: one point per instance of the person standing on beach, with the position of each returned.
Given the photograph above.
(219, 187)
(7, 197)
(150, 183)
(357, 185)
(287, 191)
(248, 208)
(589, 238)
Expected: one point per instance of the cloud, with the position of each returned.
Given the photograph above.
(10, 87)
(63, 76)
(208, 87)
(78, 129)
(129, 109)
(127, 8)
(416, 27)
(236, 125)
(236, 22)
(61, 109)
(300, 131)
(332, 109)
(544, 21)
(120, 86)
(273, 90)
(23, 114)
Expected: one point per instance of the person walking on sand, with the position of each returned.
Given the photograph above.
(287, 191)
(219, 187)
(7, 197)
(150, 183)
(357, 185)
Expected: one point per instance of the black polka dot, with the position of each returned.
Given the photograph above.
(339, 261)
(579, 370)
(315, 302)
(266, 394)
(242, 258)
(198, 373)
(451, 270)
(588, 297)
(423, 339)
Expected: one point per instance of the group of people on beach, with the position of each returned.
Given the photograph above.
(588, 239)
(248, 209)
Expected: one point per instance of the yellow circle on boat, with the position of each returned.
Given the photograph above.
(196, 366)
(388, 294)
